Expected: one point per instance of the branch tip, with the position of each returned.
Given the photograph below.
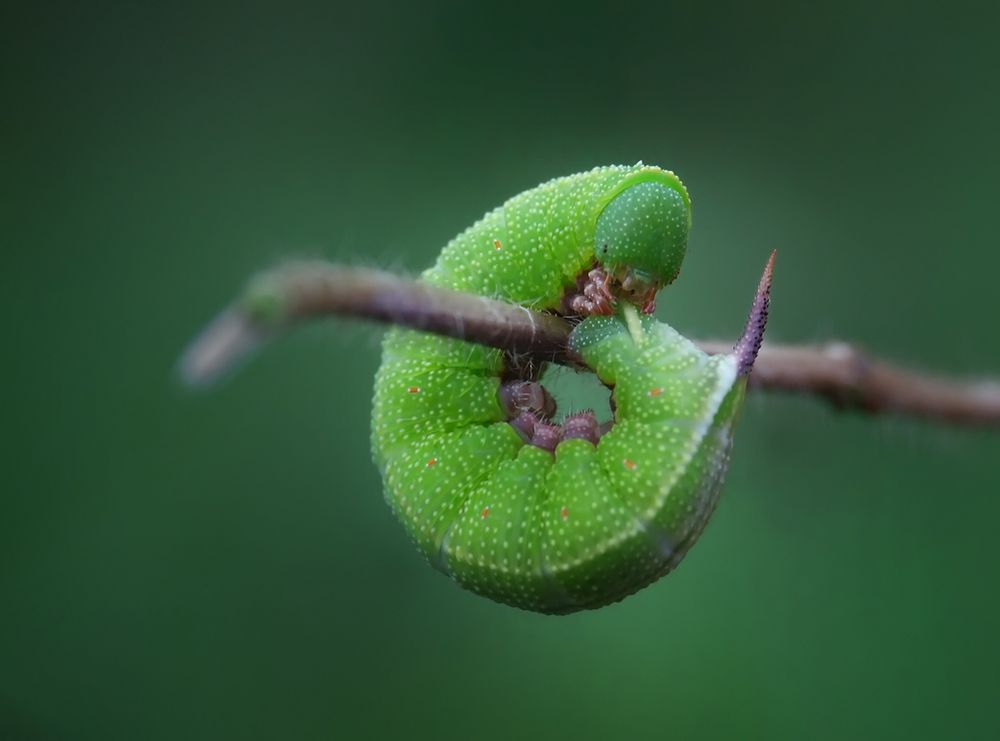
(229, 340)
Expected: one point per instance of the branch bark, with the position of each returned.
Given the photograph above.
(281, 299)
(850, 378)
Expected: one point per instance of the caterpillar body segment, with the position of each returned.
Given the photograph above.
(584, 526)
(531, 250)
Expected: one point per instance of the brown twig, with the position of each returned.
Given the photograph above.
(851, 379)
(299, 292)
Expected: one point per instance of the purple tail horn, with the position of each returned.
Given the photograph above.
(749, 343)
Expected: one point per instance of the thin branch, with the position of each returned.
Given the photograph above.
(279, 300)
(303, 291)
(849, 378)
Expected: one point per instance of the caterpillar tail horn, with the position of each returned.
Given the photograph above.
(748, 345)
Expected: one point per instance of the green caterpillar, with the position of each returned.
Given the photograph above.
(550, 517)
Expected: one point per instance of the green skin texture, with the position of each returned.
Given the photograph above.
(585, 526)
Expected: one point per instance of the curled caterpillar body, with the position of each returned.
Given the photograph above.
(547, 517)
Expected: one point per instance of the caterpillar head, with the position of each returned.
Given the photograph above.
(641, 238)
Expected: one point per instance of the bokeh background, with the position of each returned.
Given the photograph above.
(222, 565)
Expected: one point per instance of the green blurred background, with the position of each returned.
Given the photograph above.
(222, 565)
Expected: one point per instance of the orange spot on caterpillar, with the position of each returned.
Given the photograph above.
(564, 512)
(658, 391)
(629, 464)
(413, 390)
(496, 244)
(432, 462)
(485, 513)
